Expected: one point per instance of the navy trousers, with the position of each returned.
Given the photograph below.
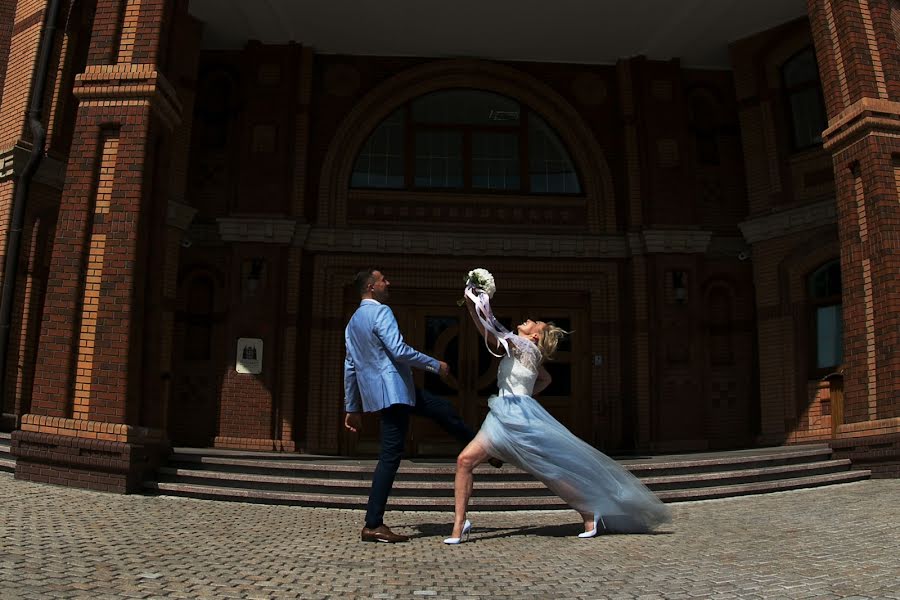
(394, 424)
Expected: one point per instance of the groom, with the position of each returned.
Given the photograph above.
(378, 378)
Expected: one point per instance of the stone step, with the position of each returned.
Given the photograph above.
(402, 486)
(444, 486)
(762, 487)
(7, 464)
(480, 501)
(343, 468)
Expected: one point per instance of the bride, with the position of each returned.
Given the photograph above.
(518, 430)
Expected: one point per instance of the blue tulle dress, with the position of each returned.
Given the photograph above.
(518, 430)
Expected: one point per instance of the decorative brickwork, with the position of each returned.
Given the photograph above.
(860, 62)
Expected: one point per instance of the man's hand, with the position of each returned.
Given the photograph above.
(353, 421)
(443, 368)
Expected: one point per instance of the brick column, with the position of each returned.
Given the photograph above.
(859, 60)
(84, 428)
(637, 418)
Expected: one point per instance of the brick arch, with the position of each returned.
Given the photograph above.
(586, 153)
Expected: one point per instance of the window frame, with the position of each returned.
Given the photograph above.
(813, 305)
(788, 93)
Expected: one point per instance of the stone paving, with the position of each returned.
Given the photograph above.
(834, 542)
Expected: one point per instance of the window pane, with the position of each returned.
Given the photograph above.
(808, 116)
(495, 161)
(829, 331)
(801, 69)
(826, 281)
(549, 166)
(465, 107)
(439, 159)
(380, 162)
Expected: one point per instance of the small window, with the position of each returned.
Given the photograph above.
(827, 322)
(800, 78)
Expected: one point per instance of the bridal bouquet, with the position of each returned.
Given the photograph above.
(483, 280)
(480, 279)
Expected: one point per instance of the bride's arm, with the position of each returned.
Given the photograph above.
(487, 335)
(542, 381)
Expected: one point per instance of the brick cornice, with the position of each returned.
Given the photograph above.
(110, 83)
(790, 221)
(255, 229)
(51, 172)
(864, 116)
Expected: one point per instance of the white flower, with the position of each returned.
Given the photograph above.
(483, 280)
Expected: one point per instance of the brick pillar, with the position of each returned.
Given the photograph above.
(859, 60)
(637, 418)
(84, 428)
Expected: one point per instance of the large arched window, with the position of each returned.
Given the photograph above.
(826, 320)
(468, 141)
(800, 78)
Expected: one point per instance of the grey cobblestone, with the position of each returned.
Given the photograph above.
(834, 542)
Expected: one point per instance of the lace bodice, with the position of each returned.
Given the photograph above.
(517, 372)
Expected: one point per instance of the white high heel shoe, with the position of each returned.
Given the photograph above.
(593, 532)
(467, 527)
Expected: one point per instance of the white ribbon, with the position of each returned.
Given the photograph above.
(488, 321)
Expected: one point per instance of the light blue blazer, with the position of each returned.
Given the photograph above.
(377, 366)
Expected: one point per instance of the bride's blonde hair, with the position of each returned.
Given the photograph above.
(549, 339)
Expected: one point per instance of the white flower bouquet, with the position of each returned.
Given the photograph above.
(483, 280)
(480, 279)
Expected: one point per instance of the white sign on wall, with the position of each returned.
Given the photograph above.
(249, 355)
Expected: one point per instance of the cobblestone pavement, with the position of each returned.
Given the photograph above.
(833, 542)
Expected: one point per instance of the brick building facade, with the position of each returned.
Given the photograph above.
(723, 242)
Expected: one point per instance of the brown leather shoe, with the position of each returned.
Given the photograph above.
(382, 534)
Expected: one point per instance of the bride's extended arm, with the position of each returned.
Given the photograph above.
(487, 335)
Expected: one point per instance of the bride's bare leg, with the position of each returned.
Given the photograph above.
(472, 455)
(588, 521)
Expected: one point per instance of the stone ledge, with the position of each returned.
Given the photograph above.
(112, 466)
(254, 229)
(789, 221)
(51, 172)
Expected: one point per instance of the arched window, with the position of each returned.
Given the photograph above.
(827, 323)
(800, 78)
(468, 141)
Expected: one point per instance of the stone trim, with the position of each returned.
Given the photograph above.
(665, 241)
(374, 241)
(789, 221)
(51, 172)
(244, 229)
(94, 430)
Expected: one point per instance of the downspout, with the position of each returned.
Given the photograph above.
(20, 200)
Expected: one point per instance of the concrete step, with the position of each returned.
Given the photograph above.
(7, 464)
